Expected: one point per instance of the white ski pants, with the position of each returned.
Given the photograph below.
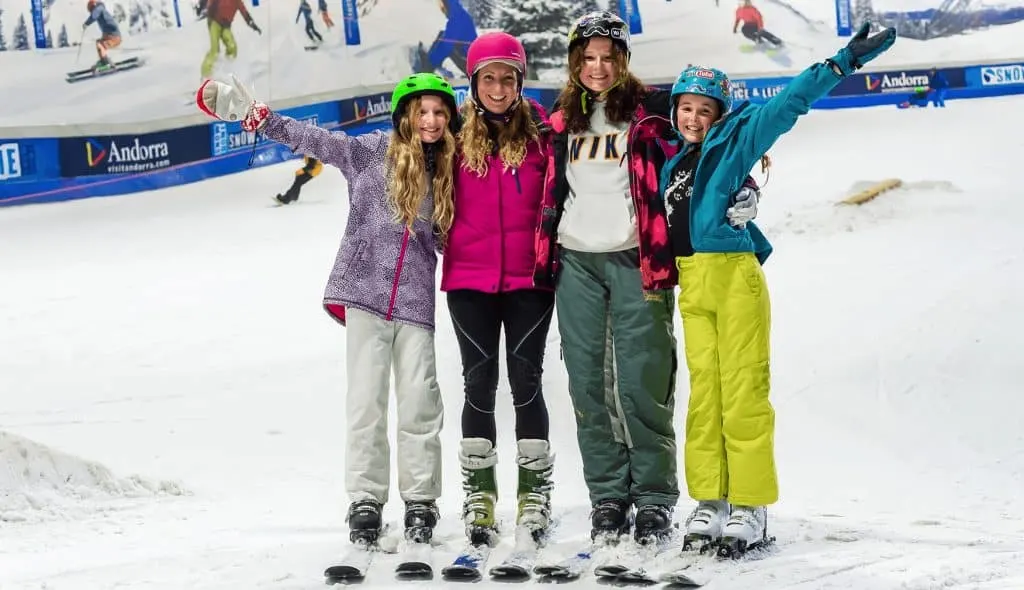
(374, 347)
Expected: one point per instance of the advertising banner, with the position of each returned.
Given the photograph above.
(132, 154)
(350, 14)
(1001, 75)
(902, 81)
(361, 110)
(629, 11)
(844, 18)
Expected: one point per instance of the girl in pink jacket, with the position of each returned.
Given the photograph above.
(503, 170)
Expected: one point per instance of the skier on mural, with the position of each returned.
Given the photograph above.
(311, 168)
(306, 11)
(451, 43)
(110, 34)
(219, 16)
(753, 25)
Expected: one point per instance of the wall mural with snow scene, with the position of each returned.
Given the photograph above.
(96, 61)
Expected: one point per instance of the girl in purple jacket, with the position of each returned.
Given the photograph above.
(501, 176)
(382, 284)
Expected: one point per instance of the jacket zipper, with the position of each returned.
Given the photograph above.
(515, 175)
(398, 275)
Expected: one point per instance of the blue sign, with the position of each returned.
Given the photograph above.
(844, 18)
(901, 81)
(24, 160)
(133, 154)
(757, 90)
(350, 14)
(629, 10)
(1001, 75)
(229, 138)
(38, 23)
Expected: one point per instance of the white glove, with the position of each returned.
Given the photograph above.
(744, 207)
(232, 102)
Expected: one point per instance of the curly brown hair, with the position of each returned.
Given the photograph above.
(407, 173)
(476, 142)
(621, 100)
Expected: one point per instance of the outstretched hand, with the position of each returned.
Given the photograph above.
(862, 49)
(232, 102)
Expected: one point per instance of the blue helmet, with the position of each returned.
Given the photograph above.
(704, 81)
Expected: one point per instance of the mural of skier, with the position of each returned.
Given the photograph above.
(753, 25)
(451, 43)
(306, 12)
(110, 34)
(219, 16)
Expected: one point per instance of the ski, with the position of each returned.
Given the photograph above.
(469, 564)
(88, 74)
(569, 568)
(414, 562)
(311, 47)
(518, 565)
(354, 563)
(639, 569)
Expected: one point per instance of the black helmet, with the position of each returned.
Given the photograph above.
(600, 24)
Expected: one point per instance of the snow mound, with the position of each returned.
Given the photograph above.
(38, 483)
(824, 219)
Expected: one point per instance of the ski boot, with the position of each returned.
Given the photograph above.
(609, 519)
(290, 196)
(746, 529)
(478, 459)
(364, 522)
(103, 64)
(420, 519)
(704, 525)
(653, 524)
(533, 506)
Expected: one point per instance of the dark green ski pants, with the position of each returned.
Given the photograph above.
(620, 353)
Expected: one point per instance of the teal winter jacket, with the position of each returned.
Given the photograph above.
(731, 149)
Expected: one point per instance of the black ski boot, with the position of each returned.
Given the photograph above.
(290, 196)
(364, 521)
(653, 523)
(420, 519)
(609, 519)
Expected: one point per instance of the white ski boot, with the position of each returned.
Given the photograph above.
(533, 496)
(704, 525)
(746, 529)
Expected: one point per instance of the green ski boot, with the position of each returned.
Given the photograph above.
(477, 457)
(533, 509)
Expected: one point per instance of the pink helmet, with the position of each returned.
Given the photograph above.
(496, 46)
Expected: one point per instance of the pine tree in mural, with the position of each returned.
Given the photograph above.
(49, 40)
(62, 38)
(542, 26)
(20, 40)
(862, 12)
(3, 40)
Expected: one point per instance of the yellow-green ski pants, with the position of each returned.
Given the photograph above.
(730, 424)
(217, 35)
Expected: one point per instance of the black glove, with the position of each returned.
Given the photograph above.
(862, 49)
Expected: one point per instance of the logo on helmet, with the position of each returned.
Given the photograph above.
(702, 73)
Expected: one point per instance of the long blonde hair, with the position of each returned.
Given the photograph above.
(407, 173)
(513, 137)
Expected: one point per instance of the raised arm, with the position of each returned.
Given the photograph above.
(233, 102)
(779, 114)
(349, 153)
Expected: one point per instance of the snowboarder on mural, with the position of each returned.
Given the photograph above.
(753, 25)
(219, 16)
(110, 34)
(311, 168)
(451, 43)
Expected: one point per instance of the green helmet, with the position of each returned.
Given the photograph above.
(418, 85)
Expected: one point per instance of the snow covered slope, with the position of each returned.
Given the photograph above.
(179, 334)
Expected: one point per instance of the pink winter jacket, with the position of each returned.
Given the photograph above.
(491, 244)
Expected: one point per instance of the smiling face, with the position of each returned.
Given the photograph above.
(431, 118)
(695, 114)
(497, 86)
(598, 71)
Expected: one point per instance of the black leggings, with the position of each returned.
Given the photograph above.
(478, 318)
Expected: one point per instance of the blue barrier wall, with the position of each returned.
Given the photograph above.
(38, 170)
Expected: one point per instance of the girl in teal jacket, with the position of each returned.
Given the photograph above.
(730, 423)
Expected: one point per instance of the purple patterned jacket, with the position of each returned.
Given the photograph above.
(381, 267)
